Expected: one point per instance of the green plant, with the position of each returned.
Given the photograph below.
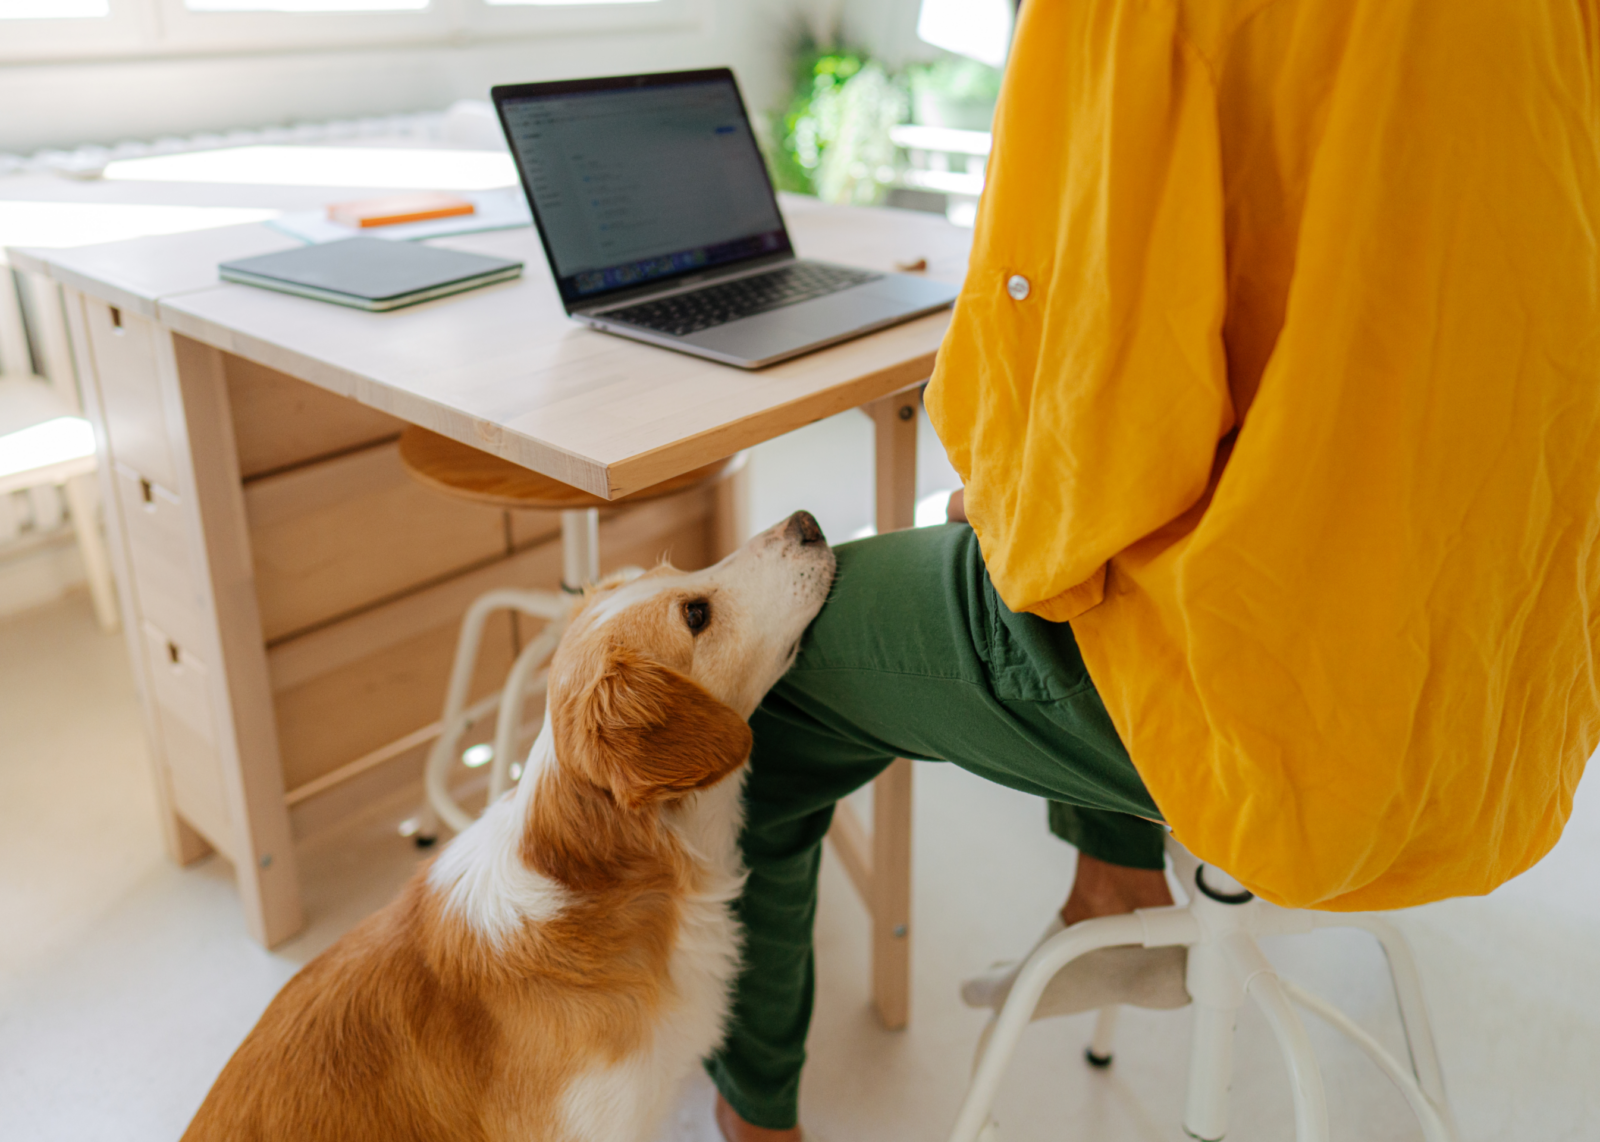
(833, 138)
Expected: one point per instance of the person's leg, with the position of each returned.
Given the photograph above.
(1121, 862)
(799, 769)
(913, 656)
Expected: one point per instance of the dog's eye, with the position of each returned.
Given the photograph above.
(696, 615)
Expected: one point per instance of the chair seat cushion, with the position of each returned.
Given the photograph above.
(473, 474)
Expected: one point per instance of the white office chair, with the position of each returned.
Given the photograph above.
(43, 442)
(1219, 927)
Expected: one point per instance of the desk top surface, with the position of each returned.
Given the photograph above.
(502, 368)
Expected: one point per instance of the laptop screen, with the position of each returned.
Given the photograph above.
(641, 183)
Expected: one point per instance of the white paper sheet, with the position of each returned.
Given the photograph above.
(500, 209)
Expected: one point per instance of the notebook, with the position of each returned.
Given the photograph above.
(370, 273)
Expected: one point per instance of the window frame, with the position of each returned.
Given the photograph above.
(196, 32)
(139, 28)
(124, 30)
(490, 21)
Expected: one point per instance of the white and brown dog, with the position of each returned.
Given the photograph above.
(562, 966)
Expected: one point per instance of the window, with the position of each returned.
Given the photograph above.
(304, 5)
(77, 29)
(53, 9)
(562, 3)
(978, 29)
(66, 28)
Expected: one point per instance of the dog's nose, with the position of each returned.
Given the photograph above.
(803, 526)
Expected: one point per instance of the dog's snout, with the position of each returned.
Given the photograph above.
(803, 527)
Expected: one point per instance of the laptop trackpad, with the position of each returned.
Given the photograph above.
(795, 326)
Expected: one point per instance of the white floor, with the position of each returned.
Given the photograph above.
(125, 982)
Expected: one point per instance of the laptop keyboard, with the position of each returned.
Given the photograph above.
(691, 312)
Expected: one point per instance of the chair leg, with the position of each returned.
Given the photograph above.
(83, 501)
(439, 805)
(1216, 989)
(580, 547)
(1098, 1053)
(516, 692)
(1414, 1019)
(1435, 1128)
(1305, 1076)
(1205, 1113)
(1036, 974)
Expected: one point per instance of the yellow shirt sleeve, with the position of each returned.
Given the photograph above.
(1277, 373)
(1106, 200)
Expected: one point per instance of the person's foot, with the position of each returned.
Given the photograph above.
(1135, 976)
(1101, 889)
(736, 1129)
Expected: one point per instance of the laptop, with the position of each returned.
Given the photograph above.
(660, 223)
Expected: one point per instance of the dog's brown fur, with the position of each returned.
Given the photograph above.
(414, 1026)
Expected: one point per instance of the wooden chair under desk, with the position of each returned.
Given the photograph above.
(474, 476)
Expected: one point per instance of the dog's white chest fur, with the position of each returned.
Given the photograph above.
(484, 881)
(627, 1101)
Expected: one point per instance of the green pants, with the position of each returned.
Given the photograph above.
(914, 656)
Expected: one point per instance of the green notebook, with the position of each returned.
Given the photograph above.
(370, 273)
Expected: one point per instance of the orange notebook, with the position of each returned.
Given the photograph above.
(392, 209)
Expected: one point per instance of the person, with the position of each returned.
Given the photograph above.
(1275, 388)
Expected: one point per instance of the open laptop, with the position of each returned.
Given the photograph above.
(660, 223)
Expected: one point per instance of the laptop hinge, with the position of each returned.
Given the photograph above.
(682, 285)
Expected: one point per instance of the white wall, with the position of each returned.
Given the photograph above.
(886, 28)
(67, 104)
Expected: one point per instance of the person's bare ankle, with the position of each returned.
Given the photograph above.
(1101, 889)
(736, 1129)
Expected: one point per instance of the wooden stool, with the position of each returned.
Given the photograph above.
(471, 474)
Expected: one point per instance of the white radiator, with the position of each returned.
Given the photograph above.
(39, 557)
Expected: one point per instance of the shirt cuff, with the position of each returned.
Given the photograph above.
(1074, 600)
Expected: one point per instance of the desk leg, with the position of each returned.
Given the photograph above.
(894, 420)
(895, 439)
(252, 773)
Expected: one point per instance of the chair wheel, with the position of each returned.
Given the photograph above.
(423, 841)
(1099, 1062)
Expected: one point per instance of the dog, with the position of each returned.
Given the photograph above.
(558, 970)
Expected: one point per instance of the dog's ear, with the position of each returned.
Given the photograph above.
(644, 732)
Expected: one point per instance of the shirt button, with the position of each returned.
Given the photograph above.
(1017, 286)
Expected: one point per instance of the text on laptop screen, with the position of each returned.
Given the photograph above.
(641, 184)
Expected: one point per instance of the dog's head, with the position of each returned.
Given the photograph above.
(655, 678)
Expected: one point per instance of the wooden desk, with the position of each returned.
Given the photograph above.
(282, 580)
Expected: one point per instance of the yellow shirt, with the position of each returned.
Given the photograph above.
(1298, 421)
